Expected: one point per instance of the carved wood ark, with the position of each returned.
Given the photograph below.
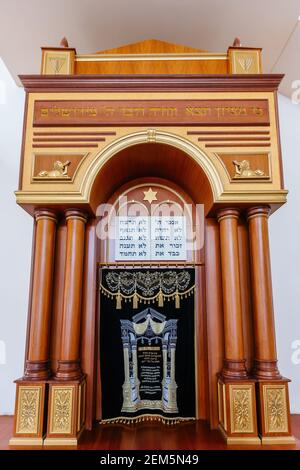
(173, 123)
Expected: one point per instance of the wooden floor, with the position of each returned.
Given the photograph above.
(151, 436)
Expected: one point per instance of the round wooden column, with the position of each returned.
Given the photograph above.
(234, 363)
(264, 329)
(37, 363)
(69, 362)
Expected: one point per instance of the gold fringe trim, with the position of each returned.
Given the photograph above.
(136, 298)
(146, 418)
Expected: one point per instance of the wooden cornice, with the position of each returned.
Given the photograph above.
(119, 83)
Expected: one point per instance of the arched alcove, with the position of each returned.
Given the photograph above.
(165, 156)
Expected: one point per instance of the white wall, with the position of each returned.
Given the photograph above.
(285, 251)
(15, 243)
(16, 233)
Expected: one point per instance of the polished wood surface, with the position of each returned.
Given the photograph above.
(201, 358)
(89, 330)
(214, 314)
(151, 112)
(69, 360)
(121, 83)
(151, 436)
(58, 294)
(208, 64)
(152, 46)
(152, 160)
(234, 363)
(37, 363)
(264, 326)
(246, 297)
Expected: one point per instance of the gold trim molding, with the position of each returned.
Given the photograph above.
(56, 441)
(102, 156)
(278, 440)
(151, 57)
(26, 441)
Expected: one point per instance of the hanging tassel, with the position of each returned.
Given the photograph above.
(160, 299)
(135, 302)
(177, 300)
(119, 301)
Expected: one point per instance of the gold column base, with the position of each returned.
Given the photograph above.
(237, 411)
(66, 412)
(278, 440)
(26, 442)
(239, 441)
(274, 412)
(63, 441)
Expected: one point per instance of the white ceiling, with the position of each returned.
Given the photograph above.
(93, 25)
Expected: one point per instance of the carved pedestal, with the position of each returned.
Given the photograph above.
(29, 418)
(237, 411)
(66, 412)
(274, 412)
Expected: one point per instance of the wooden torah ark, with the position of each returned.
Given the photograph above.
(203, 126)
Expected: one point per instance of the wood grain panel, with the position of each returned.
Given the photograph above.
(152, 66)
(151, 46)
(140, 66)
(214, 315)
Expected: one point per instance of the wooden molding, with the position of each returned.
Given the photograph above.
(43, 83)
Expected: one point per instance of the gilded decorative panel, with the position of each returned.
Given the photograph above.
(241, 408)
(58, 62)
(275, 408)
(245, 61)
(28, 410)
(62, 399)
